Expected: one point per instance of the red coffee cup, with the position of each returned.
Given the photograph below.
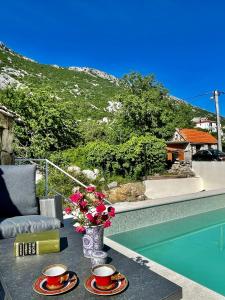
(56, 276)
(103, 274)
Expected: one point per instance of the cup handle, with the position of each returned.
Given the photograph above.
(64, 278)
(117, 276)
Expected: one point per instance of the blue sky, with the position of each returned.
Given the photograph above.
(181, 42)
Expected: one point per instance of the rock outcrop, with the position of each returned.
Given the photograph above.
(127, 192)
(95, 72)
(182, 169)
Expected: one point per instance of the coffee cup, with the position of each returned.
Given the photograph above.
(103, 275)
(55, 276)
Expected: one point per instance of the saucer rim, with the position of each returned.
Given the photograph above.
(105, 292)
(71, 284)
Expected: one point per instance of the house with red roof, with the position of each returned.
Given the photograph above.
(206, 124)
(186, 142)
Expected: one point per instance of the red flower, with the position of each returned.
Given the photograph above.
(83, 206)
(111, 211)
(90, 217)
(98, 221)
(105, 217)
(99, 195)
(83, 203)
(76, 197)
(90, 208)
(100, 208)
(90, 189)
(107, 224)
(80, 229)
(67, 210)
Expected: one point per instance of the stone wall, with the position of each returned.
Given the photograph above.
(6, 138)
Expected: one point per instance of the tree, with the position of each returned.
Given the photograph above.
(137, 84)
(47, 125)
(92, 130)
(147, 108)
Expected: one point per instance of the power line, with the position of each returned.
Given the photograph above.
(199, 95)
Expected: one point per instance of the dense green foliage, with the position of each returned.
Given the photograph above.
(139, 156)
(146, 108)
(57, 181)
(92, 130)
(46, 126)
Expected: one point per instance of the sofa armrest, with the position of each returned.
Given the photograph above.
(52, 207)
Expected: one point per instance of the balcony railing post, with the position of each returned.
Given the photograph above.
(46, 178)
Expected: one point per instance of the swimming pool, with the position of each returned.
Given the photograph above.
(193, 246)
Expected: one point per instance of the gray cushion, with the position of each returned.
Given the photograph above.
(17, 191)
(10, 227)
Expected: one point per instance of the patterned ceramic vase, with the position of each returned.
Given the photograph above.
(93, 240)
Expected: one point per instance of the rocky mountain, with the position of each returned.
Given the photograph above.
(86, 92)
(95, 72)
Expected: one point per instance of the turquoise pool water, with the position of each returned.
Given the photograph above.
(192, 246)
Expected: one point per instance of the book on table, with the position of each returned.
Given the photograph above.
(37, 243)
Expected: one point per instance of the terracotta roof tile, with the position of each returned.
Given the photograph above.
(197, 136)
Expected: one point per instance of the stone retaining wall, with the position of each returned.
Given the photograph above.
(6, 137)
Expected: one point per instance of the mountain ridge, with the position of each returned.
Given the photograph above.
(88, 92)
(89, 89)
(89, 70)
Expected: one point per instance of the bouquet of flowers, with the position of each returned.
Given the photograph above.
(88, 209)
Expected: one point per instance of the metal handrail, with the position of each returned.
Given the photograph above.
(67, 174)
(48, 162)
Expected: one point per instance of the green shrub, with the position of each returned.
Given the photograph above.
(139, 156)
(60, 183)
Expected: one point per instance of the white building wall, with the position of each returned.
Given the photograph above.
(172, 187)
(211, 172)
(210, 126)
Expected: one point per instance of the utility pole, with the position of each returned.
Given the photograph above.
(216, 95)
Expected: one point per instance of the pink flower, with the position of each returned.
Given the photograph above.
(107, 224)
(100, 208)
(90, 209)
(98, 221)
(90, 189)
(90, 217)
(111, 211)
(67, 210)
(76, 197)
(99, 195)
(80, 229)
(83, 206)
(83, 203)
